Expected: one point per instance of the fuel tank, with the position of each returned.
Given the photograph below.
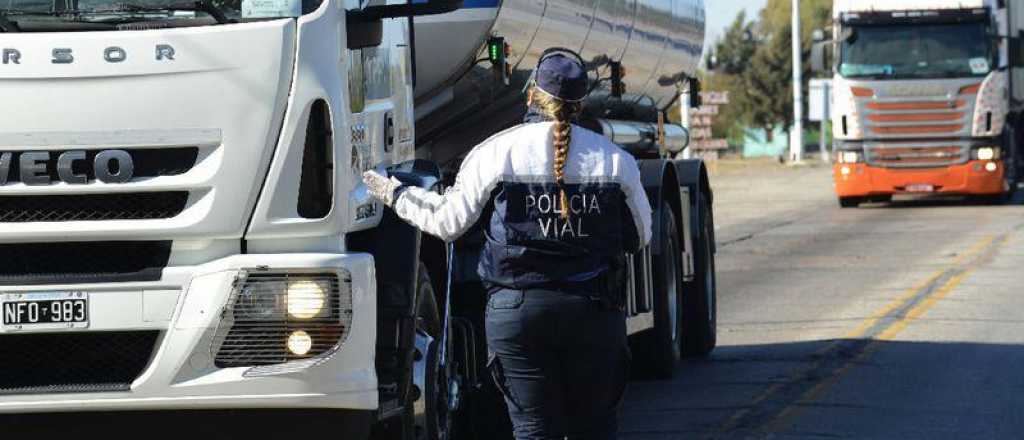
(657, 41)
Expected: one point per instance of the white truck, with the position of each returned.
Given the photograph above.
(184, 226)
(925, 101)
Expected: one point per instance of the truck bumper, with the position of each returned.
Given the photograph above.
(975, 177)
(185, 309)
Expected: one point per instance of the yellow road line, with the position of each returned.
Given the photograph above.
(862, 331)
(890, 331)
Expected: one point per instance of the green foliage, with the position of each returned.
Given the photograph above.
(756, 67)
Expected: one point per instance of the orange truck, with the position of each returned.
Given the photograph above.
(923, 99)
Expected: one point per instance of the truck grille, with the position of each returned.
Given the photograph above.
(92, 207)
(82, 262)
(929, 116)
(915, 156)
(73, 362)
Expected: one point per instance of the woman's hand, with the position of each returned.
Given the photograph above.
(380, 187)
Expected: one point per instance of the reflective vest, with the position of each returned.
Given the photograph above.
(530, 241)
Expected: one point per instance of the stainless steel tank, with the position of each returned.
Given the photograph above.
(657, 41)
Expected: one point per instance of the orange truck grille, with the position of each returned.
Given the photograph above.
(942, 116)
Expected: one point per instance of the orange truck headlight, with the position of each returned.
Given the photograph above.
(849, 156)
(986, 153)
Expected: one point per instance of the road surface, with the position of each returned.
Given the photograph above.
(892, 321)
(902, 320)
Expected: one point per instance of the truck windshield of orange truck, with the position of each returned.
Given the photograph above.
(917, 51)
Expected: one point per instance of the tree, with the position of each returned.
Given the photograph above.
(736, 47)
(758, 58)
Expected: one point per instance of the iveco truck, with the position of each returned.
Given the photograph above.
(184, 224)
(924, 101)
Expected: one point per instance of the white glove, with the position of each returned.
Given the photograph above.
(382, 188)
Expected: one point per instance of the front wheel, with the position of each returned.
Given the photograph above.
(431, 374)
(850, 202)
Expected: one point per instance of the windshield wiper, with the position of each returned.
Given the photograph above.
(7, 25)
(198, 6)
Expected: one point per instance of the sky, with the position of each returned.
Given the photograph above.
(721, 13)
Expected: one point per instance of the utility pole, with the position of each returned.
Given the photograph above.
(796, 134)
(825, 116)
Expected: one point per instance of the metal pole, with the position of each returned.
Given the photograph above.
(825, 116)
(796, 134)
(684, 120)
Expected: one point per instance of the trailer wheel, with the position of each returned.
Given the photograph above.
(659, 348)
(700, 297)
(850, 202)
(429, 401)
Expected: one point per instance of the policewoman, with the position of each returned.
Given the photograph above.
(564, 204)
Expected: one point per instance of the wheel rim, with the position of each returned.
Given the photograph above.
(419, 377)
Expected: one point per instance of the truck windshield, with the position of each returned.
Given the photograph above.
(954, 50)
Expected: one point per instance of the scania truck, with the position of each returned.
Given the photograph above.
(924, 101)
(184, 225)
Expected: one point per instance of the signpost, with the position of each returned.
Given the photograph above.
(701, 119)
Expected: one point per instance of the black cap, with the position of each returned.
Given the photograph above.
(561, 74)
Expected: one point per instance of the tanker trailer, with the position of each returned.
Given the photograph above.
(471, 67)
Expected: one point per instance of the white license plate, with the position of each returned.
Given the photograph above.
(44, 310)
(920, 188)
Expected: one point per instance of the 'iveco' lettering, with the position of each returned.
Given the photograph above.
(38, 167)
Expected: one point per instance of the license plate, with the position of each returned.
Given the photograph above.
(44, 310)
(920, 188)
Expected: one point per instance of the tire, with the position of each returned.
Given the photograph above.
(660, 349)
(850, 202)
(993, 200)
(700, 296)
(436, 422)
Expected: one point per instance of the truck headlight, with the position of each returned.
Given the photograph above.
(280, 317)
(305, 299)
(986, 153)
(849, 156)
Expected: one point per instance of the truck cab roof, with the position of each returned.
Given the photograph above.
(843, 6)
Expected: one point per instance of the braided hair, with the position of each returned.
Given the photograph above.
(562, 113)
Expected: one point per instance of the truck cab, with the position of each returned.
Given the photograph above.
(921, 100)
(178, 185)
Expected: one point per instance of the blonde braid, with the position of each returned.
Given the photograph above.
(563, 113)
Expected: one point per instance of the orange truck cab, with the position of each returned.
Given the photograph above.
(922, 99)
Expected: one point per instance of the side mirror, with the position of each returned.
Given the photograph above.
(695, 96)
(365, 28)
(363, 33)
(1016, 50)
(818, 52)
(409, 9)
(818, 35)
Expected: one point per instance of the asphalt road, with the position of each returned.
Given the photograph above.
(891, 321)
(896, 321)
